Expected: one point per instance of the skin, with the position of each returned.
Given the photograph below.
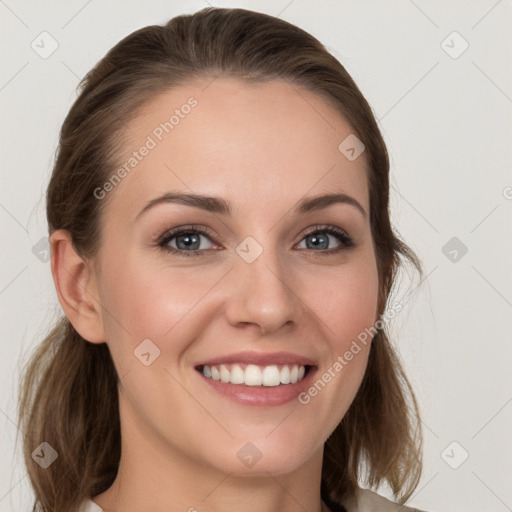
(263, 147)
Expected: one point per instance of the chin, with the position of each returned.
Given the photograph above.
(261, 457)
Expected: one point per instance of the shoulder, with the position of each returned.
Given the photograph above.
(89, 506)
(369, 501)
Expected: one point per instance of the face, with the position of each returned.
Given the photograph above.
(264, 279)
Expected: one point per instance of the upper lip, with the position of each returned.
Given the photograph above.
(259, 358)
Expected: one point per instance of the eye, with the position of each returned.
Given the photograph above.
(186, 241)
(320, 236)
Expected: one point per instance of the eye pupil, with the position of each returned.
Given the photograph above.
(188, 240)
(319, 240)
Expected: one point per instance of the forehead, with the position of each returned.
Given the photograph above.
(253, 144)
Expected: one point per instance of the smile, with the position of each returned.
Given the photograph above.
(255, 375)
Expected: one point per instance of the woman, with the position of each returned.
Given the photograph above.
(222, 250)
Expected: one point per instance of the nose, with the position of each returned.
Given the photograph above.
(263, 293)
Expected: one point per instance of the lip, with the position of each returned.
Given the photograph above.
(259, 358)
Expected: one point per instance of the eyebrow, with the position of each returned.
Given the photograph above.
(223, 207)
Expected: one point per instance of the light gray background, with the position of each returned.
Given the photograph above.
(447, 122)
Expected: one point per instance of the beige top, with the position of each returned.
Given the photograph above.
(368, 501)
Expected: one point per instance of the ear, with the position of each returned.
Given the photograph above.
(75, 283)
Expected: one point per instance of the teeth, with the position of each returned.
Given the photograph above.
(215, 373)
(237, 375)
(224, 374)
(255, 375)
(271, 376)
(285, 375)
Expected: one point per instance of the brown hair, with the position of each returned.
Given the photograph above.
(68, 392)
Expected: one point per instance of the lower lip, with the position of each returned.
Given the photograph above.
(262, 396)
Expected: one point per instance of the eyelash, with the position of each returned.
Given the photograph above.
(346, 241)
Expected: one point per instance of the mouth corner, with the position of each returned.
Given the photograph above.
(309, 368)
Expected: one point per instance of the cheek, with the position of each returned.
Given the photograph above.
(150, 303)
(145, 301)
(347, 304)
(347, 311)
